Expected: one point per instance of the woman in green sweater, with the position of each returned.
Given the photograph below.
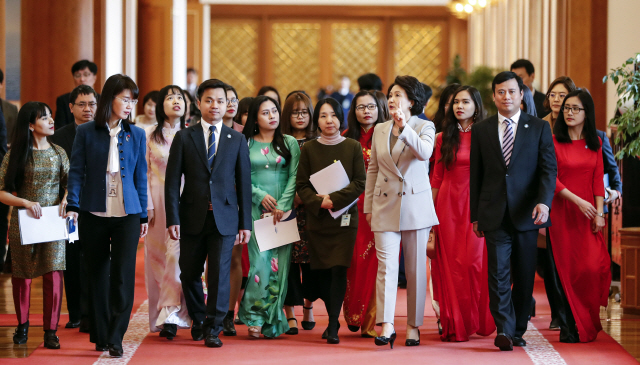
(274, 164)
(331, 241)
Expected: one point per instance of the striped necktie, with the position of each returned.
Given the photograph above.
(211, 150)
(507, 141)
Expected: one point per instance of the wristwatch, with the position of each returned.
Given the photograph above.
(600, 215)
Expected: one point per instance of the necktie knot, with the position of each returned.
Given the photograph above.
(212, 129)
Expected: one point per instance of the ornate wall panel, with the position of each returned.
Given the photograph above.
(234, 54)
(418, 52)
(355, 50)
(296, 57)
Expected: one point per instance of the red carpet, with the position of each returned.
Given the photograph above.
(308, 348)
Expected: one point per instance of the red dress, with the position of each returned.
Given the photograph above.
(460, 275)
(581, 257)
(359, 302)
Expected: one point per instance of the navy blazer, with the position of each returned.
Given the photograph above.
(87, 175)
(610, 166)
(529, 180)
(227, 185)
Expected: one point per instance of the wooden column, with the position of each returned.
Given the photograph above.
(194, 35)
(53, 37)
(3, 48)
(154, 45)
(630, 275)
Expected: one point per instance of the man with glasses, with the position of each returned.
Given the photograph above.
(82, 106)
(84, 73)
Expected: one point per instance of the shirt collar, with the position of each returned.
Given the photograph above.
(205, 125)
(515, 119)
(468, 129)
(118, 127)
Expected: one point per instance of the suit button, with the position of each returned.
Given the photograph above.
(120, 143)
(210, 182)
(401, 180)
(123, 176)
(120, 151)
(507, 175)
(399, 194)
(385, 194)
(385, 179)
(121, 158)
(404, 193)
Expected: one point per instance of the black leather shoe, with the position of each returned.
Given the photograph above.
(567, 336)
(519, 341)
(292, 330)
(383, 341)
(51, 341)
(212, 341)
(72, 324)
(228, 329)
(412, 342)
(325, 334)
(115, 351)
(169, 330)
(333, 339)
(554, 325)
(353, 328)
(84, 326)
(21, 335)
(439, 328)
(101, 347)
(196, 331)
(504, 342)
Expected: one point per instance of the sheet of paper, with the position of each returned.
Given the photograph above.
(330, 179)
(50, 227)
(271, 236)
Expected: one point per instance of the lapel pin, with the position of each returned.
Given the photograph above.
(128, 136)
(526, 126)
(228, 136)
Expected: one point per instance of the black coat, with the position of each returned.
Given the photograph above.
(529, 180)
(64, 137)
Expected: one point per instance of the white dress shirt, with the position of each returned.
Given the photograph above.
(206, 131)
(502, 127)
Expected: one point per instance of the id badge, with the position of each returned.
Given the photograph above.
(113, 189)
(346, 219)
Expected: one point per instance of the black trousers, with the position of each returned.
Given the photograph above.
(194, 250)
(302, 284)
(4, 228)
(76, 285)
(511, 254)
(110, 246)
(333, 287)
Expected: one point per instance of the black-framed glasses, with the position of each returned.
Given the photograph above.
(233, 101)
(371, 106)
(300, 113)
(84, 105)
(574, 109)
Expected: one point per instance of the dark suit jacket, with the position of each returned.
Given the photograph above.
(63, 113)
(538, 100)
(529, 180)
(10, 117)
(88, 172)
(3, 136)
(227, 185)
(610, 166)
(64, 137)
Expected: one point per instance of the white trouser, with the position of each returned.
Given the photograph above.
(415, 262)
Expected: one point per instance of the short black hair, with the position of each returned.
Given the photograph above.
(82, 64)
(211, 84)
(370, 81)
(191, 69)
(82, 90)
(505, 76)
(151, 95)
(528, 66)
(114, 85)
(1, 76)
(231, 88)
(263, 90)
(428, 92)
(337, 108)
(414, 90)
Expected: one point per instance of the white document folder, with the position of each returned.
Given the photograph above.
(330, 179)
(50, 227)
(271, 236)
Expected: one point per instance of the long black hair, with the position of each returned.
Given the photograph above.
(438, 119)
(589, 131)
(161, 116)
(251, 128)
(22, 144)
(243, 107)
(353, 126)
(114, 85)
(450, 132)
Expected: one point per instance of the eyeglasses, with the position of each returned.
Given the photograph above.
(574, 109)
(84, 105)
(78, 75)
(301, 113)
(233, 101)
(128, 101)
(361, 107)
(553, 96)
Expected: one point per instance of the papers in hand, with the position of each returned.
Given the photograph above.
(331, 179)
(271, 236)
(50, 227)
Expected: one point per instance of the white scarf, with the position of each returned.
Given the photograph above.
(113, 166)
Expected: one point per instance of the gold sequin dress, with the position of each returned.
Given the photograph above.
(42, 181)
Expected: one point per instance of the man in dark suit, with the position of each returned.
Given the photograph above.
(4, 209)
(513, 177)
(83, 105)
(84, 73)
(214, 207)
(525, 70)
(9, 110)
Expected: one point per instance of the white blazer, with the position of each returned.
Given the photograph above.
(398, 192)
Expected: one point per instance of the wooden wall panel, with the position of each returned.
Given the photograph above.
(3, 49)
(194, 36)
(154, 45)
(53, 38)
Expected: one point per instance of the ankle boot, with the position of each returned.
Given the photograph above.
(51, 341)
(20, 336)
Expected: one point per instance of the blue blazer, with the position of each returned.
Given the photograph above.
(610, 166)
(87, 175)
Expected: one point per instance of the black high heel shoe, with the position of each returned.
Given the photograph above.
(412, 342)
(308, 325)
(439, 328)
(325, 334)
(383, 341)
(21, 335)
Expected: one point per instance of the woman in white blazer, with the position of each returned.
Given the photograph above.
(399, 206)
